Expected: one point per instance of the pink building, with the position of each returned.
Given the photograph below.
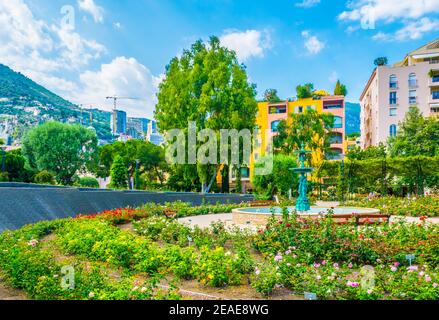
(392, 90)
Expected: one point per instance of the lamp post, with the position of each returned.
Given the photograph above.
(136, 176)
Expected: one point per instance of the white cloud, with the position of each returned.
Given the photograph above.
(333, 77)
(93, 9)
(42, 52)
(117, 25)
(412, 31)
(389, 10)
(74, 50)
(123, 77)
(247, 44)
(307, 3)
(312, 43)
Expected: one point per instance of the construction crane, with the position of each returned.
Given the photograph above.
(89, 105)
(115, 99)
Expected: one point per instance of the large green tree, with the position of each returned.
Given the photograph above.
(417, 136)
(62, 149)
(206, 85)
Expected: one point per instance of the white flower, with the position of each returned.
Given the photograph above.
(91, 295)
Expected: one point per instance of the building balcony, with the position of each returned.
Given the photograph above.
(434, 81)
(434, 98)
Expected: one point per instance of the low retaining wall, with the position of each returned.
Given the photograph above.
(22, 204)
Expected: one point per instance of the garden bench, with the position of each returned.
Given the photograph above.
(362, 219)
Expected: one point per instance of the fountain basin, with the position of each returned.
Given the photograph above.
(259, 216)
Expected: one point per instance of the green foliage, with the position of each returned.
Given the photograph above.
(310, 127)
(381, 61)
(305, 91)
(280, 180)
(119, 173)
(340, 89)
(270, 95)
(151, 159)
(4, 177)
(89, 182)
(15, 167)
(44, 177)
(207, 85)
(412, 207)
(60, 148)
(416, 136)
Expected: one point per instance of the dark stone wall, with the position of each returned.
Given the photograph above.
(22, 204)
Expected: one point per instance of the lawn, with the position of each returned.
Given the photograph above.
(132, 254)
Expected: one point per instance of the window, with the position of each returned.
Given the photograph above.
(336, 138)
(277, 109)
(392, 98)
(435, 95)
(393, 82)
(412, 96)
(299, 109)
(413, 82)
(435, 78)
(274, 125)
(333, 106)
(392, 130)
(393, 112)
(311, 107)
(338, 122)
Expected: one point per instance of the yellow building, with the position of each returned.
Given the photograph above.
(271, 114)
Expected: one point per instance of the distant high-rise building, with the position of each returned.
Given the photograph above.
(119, 122)
(153, 135)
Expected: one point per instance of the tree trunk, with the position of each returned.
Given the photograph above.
(225, 185)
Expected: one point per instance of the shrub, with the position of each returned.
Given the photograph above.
(88, 182)
(217, 268)
(4, 177)
(44, 177)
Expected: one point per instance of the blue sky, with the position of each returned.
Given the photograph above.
(122, 47)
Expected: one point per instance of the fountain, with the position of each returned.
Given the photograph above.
(302, 203)
(260, 215)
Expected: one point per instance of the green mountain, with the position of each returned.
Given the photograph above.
(25, 104)
(352, 117)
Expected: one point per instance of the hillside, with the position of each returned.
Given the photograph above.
(352, 117)
(24, 103)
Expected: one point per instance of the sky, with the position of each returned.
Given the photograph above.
(86, 50)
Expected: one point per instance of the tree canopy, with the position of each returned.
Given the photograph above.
(340, 89)
(206, 85)
(416, 136)
(305, 91)
(59, 148)
(270, 95)
(310, 127)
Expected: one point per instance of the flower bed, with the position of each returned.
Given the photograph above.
(333, 261)
(414, 207)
